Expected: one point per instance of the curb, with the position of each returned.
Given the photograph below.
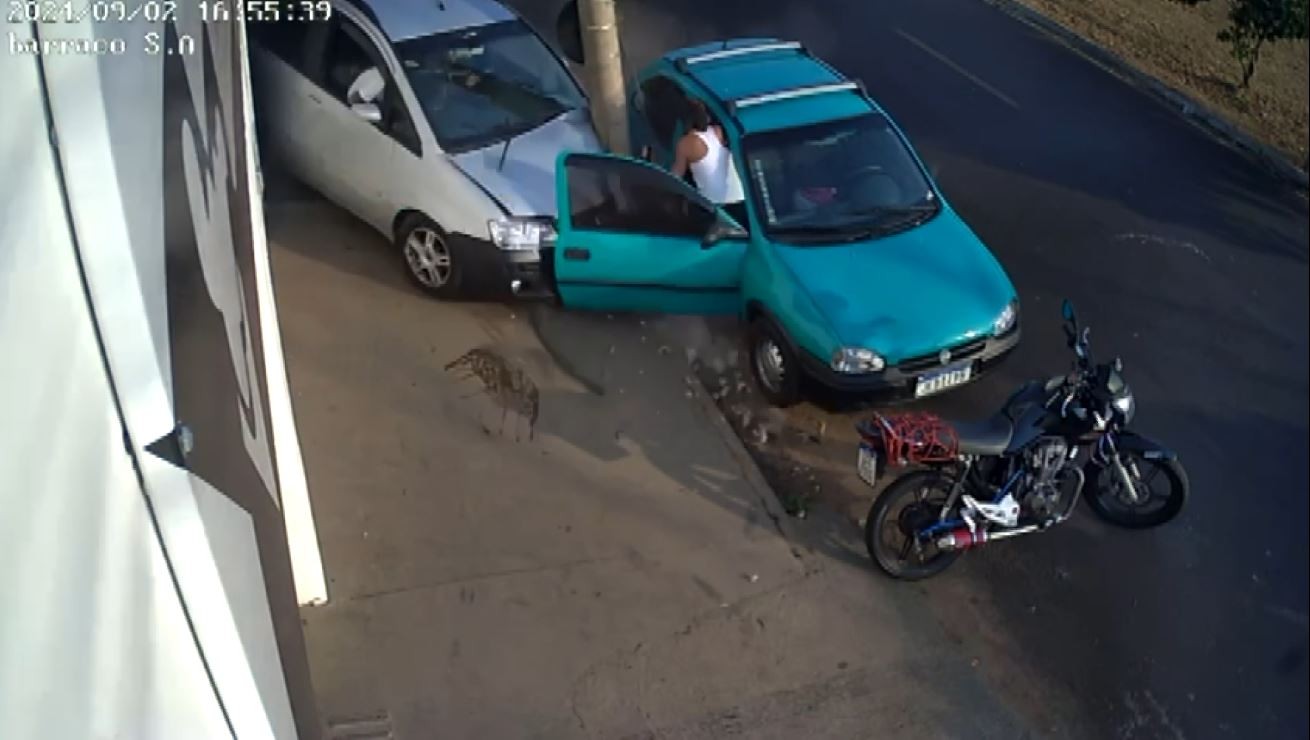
(1195, 112)
(745, 461)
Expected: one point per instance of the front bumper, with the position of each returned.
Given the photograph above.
(897, 383)
(492, 272)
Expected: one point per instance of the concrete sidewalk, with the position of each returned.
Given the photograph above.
(616, 576)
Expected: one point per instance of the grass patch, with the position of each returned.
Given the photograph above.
(1177, 44)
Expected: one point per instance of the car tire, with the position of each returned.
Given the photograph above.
(429, 257)
(773, 364)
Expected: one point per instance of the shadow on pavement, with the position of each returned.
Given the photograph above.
(332, 235)
(623, 365)
(617, 361)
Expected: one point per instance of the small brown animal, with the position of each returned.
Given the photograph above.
(507, 384)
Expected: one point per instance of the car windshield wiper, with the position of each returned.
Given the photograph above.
(897, 217)
(836, 232)
(916, 209)
(510, 129)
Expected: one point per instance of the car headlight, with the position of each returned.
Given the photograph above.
(520, 233)
(1006, 320)
(857, 360)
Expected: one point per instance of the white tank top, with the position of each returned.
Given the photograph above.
(715, 174)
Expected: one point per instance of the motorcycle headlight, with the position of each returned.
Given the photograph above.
(520, 233)
(857, 360)
(1125, 405)
(1006, 320)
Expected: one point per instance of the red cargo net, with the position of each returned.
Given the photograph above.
(916, 438)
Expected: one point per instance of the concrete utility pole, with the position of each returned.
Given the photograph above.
(604, 66)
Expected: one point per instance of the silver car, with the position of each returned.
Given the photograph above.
(438, 123)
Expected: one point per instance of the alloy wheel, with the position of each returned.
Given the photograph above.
(428, 257)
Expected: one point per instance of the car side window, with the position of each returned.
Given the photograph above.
(353, 72)
(348, 58)
(399, 124)
(285, 39)
(662, 105)
(607, 194)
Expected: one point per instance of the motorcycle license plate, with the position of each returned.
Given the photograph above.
(867, 465)
(939, 380)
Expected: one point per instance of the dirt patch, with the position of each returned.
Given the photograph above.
(805, 454)
(1177, 44)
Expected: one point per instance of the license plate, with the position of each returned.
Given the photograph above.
(940, 380)
(867, 465)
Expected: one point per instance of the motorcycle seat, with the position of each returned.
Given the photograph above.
(987, 437)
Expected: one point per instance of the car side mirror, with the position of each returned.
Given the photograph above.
(368, 111)
(722, 230)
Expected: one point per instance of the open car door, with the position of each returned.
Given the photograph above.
(633, 237)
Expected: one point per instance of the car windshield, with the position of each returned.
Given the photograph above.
(838, 180)
(481, 85)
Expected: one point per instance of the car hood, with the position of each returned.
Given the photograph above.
(525, 184)
(906, 294)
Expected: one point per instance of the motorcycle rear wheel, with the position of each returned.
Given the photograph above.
(1154, 507)
(909, 503)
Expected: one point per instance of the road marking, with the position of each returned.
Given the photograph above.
(1165, 242)
(966, 73)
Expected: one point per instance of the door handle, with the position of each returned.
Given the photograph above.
(576, 254)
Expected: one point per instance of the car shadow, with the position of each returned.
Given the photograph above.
(635, 373)
(301, 220)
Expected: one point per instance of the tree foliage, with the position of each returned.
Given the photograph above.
(1253, 23)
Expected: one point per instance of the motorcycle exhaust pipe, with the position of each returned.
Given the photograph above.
(963, 538)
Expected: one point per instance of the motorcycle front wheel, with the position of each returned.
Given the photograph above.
(1161, 487)
(909, 504)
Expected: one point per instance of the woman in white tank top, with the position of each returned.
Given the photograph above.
(703, 150)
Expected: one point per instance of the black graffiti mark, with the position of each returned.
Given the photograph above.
(204, 373)
(205, 141)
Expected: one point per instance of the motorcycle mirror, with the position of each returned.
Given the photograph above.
(1066, 310)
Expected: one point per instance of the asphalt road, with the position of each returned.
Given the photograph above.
(1188, 261)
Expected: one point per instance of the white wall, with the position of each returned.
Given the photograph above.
(93, 639)
(142, 596)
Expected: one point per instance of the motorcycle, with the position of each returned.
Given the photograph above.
(1019, 472)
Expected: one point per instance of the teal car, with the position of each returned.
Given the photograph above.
(849, 267)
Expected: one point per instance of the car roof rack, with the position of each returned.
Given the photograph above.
(795, 92)
(738, 51)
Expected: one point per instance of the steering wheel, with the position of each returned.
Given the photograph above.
(872, 176)
(865, 172)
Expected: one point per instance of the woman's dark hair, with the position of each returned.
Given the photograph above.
(697, 117)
